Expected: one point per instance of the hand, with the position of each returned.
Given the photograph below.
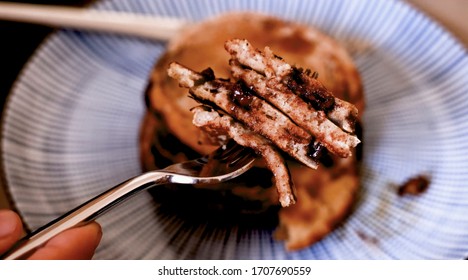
(73, 244)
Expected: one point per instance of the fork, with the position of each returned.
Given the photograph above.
(225, 163)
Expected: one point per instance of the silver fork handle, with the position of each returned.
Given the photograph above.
(85, 213)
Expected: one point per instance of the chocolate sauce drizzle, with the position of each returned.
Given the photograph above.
(242, 95)
(318, 97)
(319, 153)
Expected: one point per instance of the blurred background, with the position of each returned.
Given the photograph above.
(19, 40)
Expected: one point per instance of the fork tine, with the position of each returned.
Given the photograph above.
(226, 159)
(240, 157)
(229, 151)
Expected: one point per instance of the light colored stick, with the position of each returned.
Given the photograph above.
(152, 27)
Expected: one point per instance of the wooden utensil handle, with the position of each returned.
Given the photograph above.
(146, 26)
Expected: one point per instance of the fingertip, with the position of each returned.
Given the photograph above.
(11, 229)
(96, 227)
(74, 244)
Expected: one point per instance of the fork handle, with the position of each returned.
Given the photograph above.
(152, 27)
(85, 213)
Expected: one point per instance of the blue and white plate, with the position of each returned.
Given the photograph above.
(71, 127)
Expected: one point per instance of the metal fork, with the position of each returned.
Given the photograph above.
(227, 162)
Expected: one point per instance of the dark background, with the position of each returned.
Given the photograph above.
(19, 41)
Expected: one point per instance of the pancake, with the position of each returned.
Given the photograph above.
(325, 195)
(216, 124)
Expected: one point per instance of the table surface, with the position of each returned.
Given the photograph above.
(19, 40)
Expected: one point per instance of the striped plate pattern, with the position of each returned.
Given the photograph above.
(70, 131)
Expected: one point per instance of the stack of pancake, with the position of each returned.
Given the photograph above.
(324, 195)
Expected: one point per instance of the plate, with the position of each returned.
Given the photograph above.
(71, 123)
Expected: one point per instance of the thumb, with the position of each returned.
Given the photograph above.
(11, 229)
(73, 244)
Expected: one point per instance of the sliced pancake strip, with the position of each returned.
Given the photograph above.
(303, 114)
(342, 113)
(250, 110)
(215, 123)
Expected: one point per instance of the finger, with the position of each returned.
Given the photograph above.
(10, 229)
(73, 244)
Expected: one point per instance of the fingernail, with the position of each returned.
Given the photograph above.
(8, 223)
